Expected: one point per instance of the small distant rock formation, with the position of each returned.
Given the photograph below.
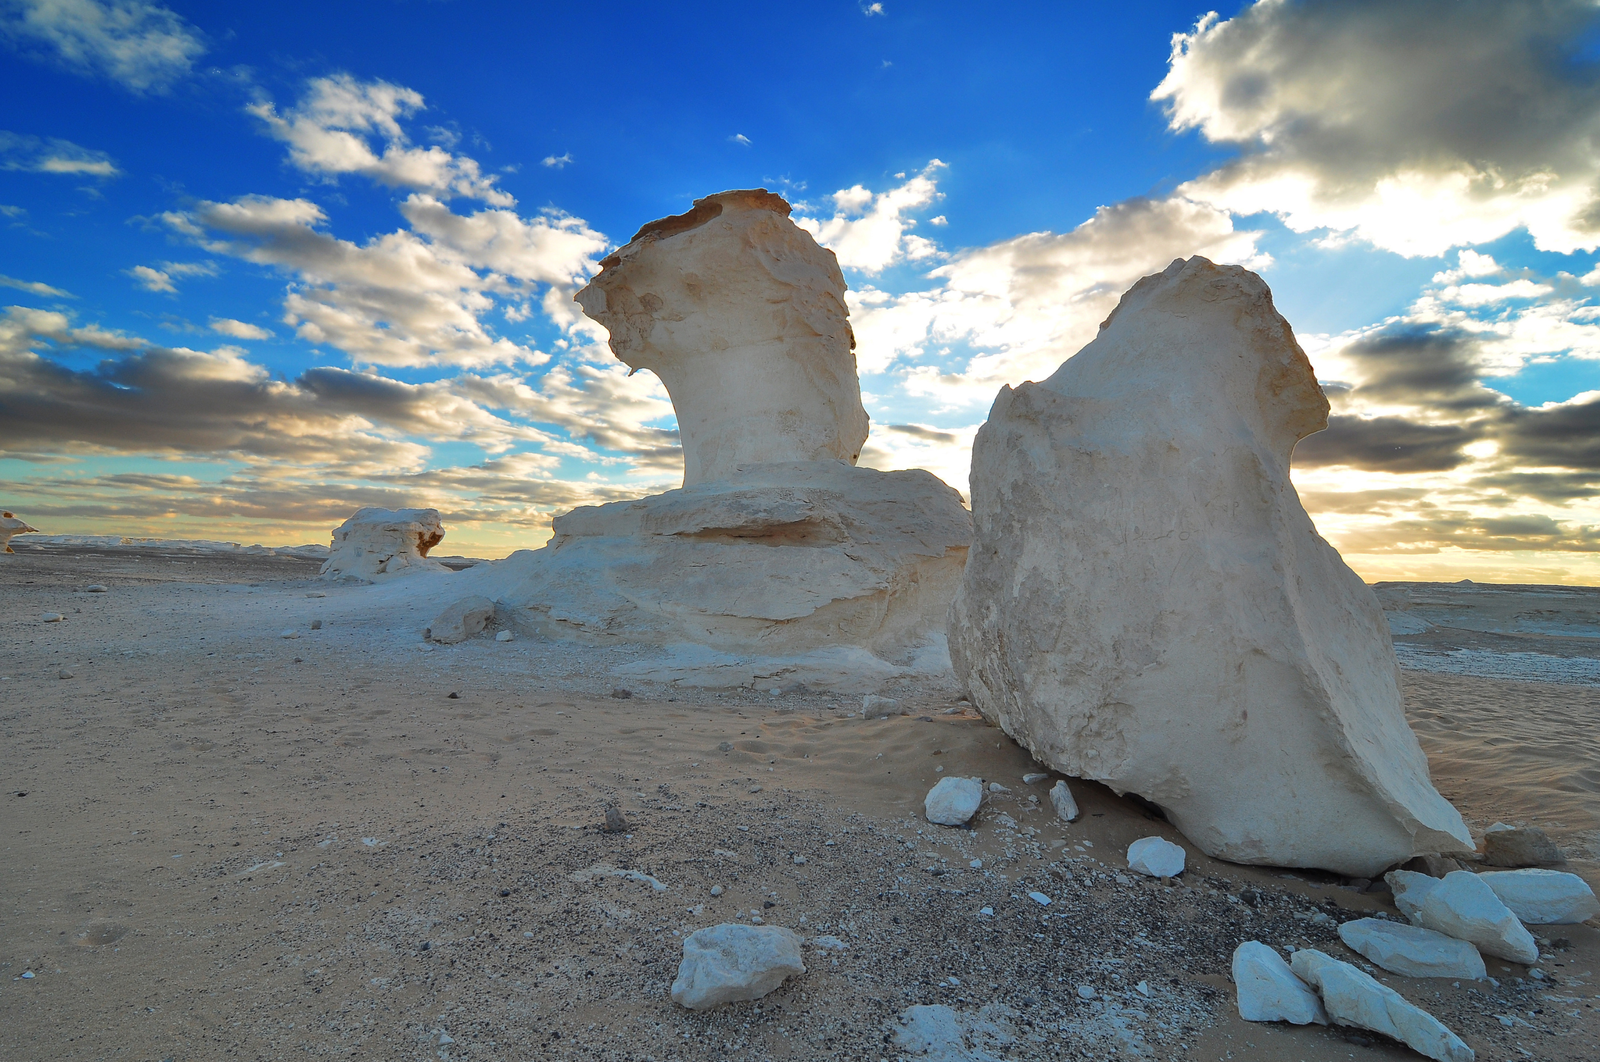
(742, 316)
(1149, 605)
(777, 546)
(10, 527)
(375, 543)
(460, 620)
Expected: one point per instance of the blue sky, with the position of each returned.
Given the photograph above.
(268, 263)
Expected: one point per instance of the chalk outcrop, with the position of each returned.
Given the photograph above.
(375, 543)
(1544, 897)
(1463, 905)
(1267, 990)
(1354, 998)
(1149, 605)
(10, 527)
(1412, 951)
(731, 962)
(779, 562)
(742, 315)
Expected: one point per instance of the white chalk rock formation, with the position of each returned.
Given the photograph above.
(778, 560)
(1061, 800)
(10, 527)
(953, 801)
(1410, 889)
(1462, 905)
(1353, 998)
(1148, 605)
(460, 620)
(1267, 990)
(375, 543)
(729, 962)
(1543, 897)
(1412, 951)
(1156, 856)
(742, 315)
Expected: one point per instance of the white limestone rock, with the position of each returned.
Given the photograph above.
(730, 962)
(1410, 889)
(953, 801)
(1061, 799)
(1156, 856)
(1543, 897)
(1462, 905)
(1351, 997)
(376, 543)
(742, 315)
(460, 620)
(1148, 604)
(10, 527)
(1412, 951)
(1267, 990)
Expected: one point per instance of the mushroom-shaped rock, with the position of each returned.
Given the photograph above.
(1148, 604)
(375, 543)
(1267, 990)
(11, 526)
(1354, 998)
(742, 316)
(1543, 897)
(729, 962)
(1412, 951)
(953, 801)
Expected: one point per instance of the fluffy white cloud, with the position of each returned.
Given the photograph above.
(1415, 127)
(53, 155)
(34, 287)
(869, 231)
(330, 132)
(142, 45)
(152, 279)
(239, 329)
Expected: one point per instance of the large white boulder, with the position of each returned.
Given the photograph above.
(376, 543)
(1462, 905)
(1147, 603)
(953, 801)
(1268, 990)
(1351, 997)
(742, 315)
(1412, 951)
(730, 962)
(10, 527)
(1543, 897)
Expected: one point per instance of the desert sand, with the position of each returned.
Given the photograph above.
(223, 843)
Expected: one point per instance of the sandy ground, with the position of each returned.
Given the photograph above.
(222, 843)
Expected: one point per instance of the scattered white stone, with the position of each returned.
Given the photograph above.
(829, 943)
(1061, 800)
(288, 632)
(1036, 776)
(504, 636)
(1412, 951)
(1268, 990)
(987, 911)
(52, 617)
(799, 860)
(315, 593)
(606, 870)
(1086, 992)
(425, 648)
(996, 787)
(1353, 998)
(1143, 988)
(1543, 897)
(95, 588)
(460, 620)
(717, 890)
(66, 674)
(382, 542)
(976, 864)
(731, 962)
(1039, 898)
(1111, 505)
(1462, 905)
(872, 704)
(953, 801)
(1155, 856)
(1410, 889)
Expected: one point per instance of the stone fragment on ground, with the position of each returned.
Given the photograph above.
(1543, 897)
(937, 1033)
(1352, 997)
(1155, 856)
(1410, 888)
(873, 705)
(504, 636)
(1519, 846)
(460, 620)
(1267, 990)
(1061, 799)
(95, 588)
(377, 543)
(1462, 905)
(953, 801)
(731, 961)
(1412, 951)
(1301, 755)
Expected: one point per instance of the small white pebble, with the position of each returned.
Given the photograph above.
(1039, 898)
(986, 911)
(1085, 991)
(799, 860)
(976, 864)
(716, 890)
(289, 632)
(52, 617)
(504, 636)
(1036, 776)
(1143, 988)
(996, 787)
(527, 935)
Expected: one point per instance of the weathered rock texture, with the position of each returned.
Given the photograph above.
(742, 315)
(732, 962)
(10, 526)
(380, 542)
(1148, 604)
